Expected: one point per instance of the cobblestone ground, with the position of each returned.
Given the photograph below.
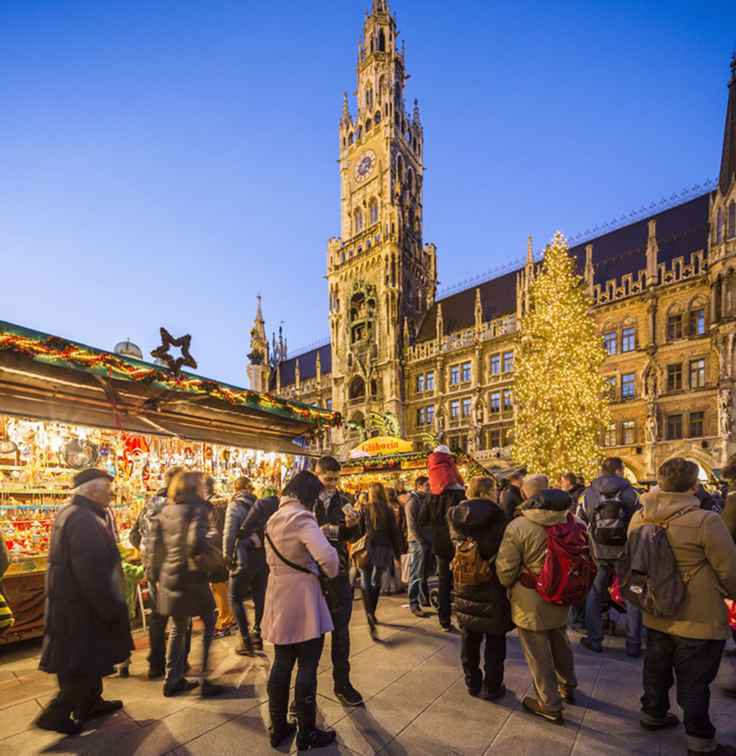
(415, 704)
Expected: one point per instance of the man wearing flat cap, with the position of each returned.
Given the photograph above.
(86, 618)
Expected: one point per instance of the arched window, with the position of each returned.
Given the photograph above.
(357, 389)
(377, 117)
(360, 132)
(697, 317)
(358, 221)
(719, 225)
(381, 89)
(373, 211)
(381, 41)
(368, 125)
(369, 98)
(351, 137)
(732, 219)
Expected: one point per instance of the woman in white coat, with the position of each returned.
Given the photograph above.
(296, 616)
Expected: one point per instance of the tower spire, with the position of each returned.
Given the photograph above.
(529, 250)
(728, 156)
(258, 367)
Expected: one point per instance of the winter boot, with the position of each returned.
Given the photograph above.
(281, 728)
(245, 647)
(309, 736)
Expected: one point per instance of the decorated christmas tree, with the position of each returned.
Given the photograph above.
(561, 401)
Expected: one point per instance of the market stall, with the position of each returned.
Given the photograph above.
(65, 406)
(392, 462)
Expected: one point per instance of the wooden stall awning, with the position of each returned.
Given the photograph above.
(45, 377)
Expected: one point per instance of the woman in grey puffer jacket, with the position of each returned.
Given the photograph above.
(180, 533)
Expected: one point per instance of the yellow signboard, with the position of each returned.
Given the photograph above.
(382, 445)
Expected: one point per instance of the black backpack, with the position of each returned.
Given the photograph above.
(648, 571)
(609, 522)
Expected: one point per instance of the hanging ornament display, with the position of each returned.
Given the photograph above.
(80, 454)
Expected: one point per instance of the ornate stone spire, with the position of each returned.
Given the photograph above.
(440, 323)
(258, 358)
(530, 252)
(728, 155)
(478, 310)
(258, 340)
(652, 252)
(589, 274)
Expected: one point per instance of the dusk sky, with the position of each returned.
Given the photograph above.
(163, 162)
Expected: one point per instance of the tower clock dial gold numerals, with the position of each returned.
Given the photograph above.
(364, 165)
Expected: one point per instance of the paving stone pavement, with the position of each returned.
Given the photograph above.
(416, 703)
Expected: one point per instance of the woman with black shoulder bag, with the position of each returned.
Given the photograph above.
(296, 616)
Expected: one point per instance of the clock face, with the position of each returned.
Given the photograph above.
(364, 166)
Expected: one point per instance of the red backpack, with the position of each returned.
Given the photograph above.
(568, 570)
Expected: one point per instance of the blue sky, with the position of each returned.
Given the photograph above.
(163, 162)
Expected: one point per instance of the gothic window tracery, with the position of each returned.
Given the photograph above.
(373, 211)
(362, 315)
(356, 389)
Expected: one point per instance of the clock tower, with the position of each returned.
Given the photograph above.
(382, 277)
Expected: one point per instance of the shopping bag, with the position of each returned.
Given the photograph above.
(6, 615)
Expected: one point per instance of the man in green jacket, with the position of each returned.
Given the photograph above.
(690, 643)
(541, 626)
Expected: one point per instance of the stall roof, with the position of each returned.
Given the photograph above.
(52, 378)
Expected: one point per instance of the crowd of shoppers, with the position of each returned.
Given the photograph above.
(528, 558)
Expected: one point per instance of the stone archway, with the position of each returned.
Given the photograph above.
(701, 459)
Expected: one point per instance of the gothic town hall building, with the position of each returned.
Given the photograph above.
(663, 291)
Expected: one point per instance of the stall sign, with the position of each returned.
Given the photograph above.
(380, 446)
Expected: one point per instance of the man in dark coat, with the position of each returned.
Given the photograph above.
(87, 631)
(330, 511)
(511, 496)
(249, 572)
(483, 611)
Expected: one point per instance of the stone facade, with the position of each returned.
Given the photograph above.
(663, 291)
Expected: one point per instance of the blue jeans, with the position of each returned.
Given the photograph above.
(180, 629)
(255, 578)
(694, 663)
(594, 611)
(418, 592)
(371, 578)
(340, 603)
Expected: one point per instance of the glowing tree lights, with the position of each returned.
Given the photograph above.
(561, 402)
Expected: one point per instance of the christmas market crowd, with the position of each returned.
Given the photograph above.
(485, 557)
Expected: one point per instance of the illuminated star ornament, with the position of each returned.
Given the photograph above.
(175, 364)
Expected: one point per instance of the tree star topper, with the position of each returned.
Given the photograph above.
(175, 364)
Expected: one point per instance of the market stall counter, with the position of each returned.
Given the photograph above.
(65, 406)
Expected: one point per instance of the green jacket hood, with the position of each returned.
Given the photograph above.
(545, 517)
(658, 506)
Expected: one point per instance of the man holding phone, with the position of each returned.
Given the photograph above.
(341, 525)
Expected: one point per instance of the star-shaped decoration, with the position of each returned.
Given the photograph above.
(175, 364)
